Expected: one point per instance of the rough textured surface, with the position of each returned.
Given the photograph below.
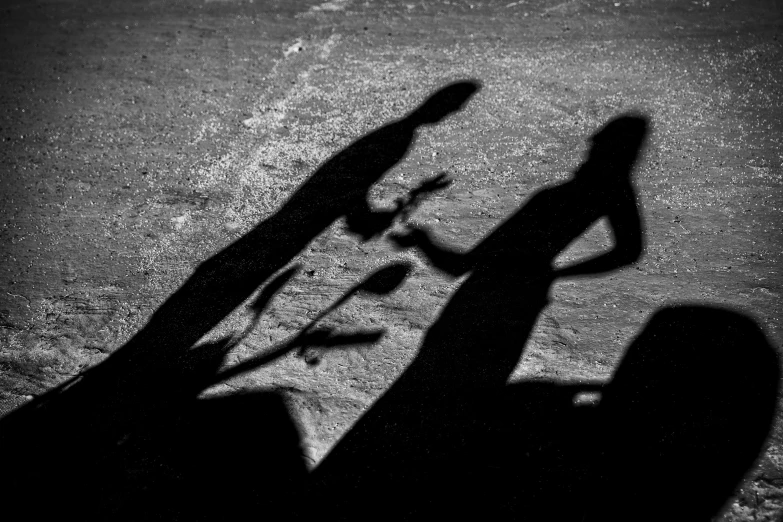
(139, 138)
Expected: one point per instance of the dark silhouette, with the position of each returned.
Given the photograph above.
(685, 416)
(338, 188)
(107, 431)
(672, 434)
(668, 438)
(674, 431)
(479, 337)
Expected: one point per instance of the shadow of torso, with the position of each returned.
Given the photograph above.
(411, 434)
(480, 334)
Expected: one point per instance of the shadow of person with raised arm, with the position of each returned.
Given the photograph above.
(480, 335)
(93, 414)
(338, 188)
(669, 437)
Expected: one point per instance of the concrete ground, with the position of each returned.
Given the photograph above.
(141, 137)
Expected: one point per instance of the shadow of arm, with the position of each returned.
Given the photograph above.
(316, 338)
(626, 225)
(367, 222)
(445, 259)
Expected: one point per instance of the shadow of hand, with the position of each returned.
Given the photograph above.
(368, 224)
(373, 224)
(414, 236)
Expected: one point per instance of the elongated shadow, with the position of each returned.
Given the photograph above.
(153, 379)
(668, 438)
(480, 335)
(338, 188)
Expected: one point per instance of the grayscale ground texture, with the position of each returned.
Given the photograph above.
(139, 138)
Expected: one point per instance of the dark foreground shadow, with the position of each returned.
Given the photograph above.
(130, 439)
(668, 438)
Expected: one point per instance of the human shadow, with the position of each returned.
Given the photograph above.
(150, 385)
(669, 437)
(339, 188)
(685, 416)
(478, 339)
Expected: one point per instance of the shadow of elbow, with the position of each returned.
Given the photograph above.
(631, 254)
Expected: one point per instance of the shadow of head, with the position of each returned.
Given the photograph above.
(689, 410)
(444, 102)
(619, 142)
